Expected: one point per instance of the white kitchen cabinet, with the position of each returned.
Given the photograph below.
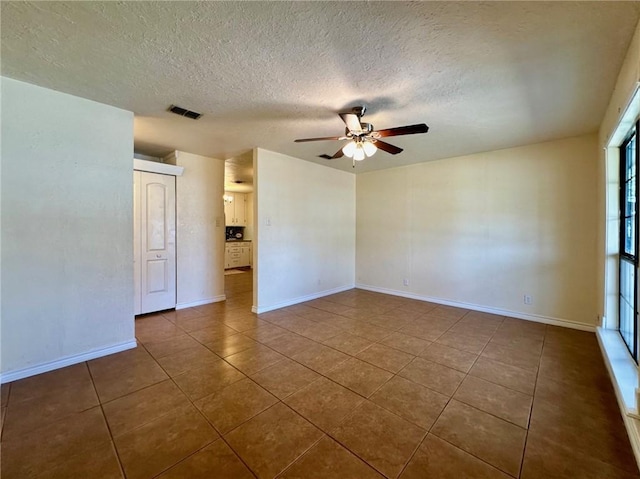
(237, 254)
(235, 209)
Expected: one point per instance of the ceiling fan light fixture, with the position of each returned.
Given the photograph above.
(359, 154)
(369, 148)
(349, 149)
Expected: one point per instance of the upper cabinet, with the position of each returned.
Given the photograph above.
(235, 209)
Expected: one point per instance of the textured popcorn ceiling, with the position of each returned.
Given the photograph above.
(483, 76)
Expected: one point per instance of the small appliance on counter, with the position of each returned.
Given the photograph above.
(235, 233)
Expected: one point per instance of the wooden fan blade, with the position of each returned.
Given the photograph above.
(338, 154)
(319, 139)
(403, 130)
(389, 148)
(352, 121)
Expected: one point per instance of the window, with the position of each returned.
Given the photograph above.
(629, 243)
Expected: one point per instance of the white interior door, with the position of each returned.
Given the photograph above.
(157, 242)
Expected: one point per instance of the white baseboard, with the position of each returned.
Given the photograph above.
(66, 361)
(623, 372)
(475, 307)
(215, 299)
(300, 299)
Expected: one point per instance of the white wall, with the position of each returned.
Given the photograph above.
(67, 228)
(617, 122)
(486, 229)
(200, 230)
(308, 249)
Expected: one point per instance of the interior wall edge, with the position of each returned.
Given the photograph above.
(301, 299)
(566, 323)
(10, 376)
(215, 299)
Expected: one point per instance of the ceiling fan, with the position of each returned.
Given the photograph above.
(364, 141)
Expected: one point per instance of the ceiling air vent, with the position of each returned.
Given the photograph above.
(184, 112)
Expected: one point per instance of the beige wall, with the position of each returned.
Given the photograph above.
(200, 230)
(486, 229)
(305, 235)
(67, 230)
(617, 121)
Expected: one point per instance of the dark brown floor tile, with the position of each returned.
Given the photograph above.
(577, 398)
(201, 322)
(416, 305)
(181, 314)
(115, 384)
(320, 358)
(359, 376)
(285, 378)
(183, 361)
(450, 357)
(235, 404)
(324, 403)
(507, 404)
(382, 439)
(159, 444)
(425, 329)
(369, 331)
(217, 460)
(385, 357)
(4, 394)
(544, 458)
(434, 376)
(254, 359)
(272, 440)
(101, 462)
(229, 345)
(521, 327)
(244, 322)
(575, 369)
(46, 447)
(406, 343)
(449, 312)
(265, 332)
(198, 383)
(329, 460)
(473, 329)
(156, 328)
(138, 408)
(159, 349)
(493, 440)
(571, 338)
(212, 333)
(599, 436)
(512, 377)
(289, 344)
(484, 318)
(410, 400)
(112, 364)
(523, 343)
(512, 356)
(471, 344)
(30, 414)
(42, 385)
(439, 459)
(348, 343)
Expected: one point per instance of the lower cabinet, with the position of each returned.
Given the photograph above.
(237, 255)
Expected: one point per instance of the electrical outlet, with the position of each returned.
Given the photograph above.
(405, 282)
(528, 299)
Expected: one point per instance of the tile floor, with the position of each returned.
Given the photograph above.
(356, 385)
